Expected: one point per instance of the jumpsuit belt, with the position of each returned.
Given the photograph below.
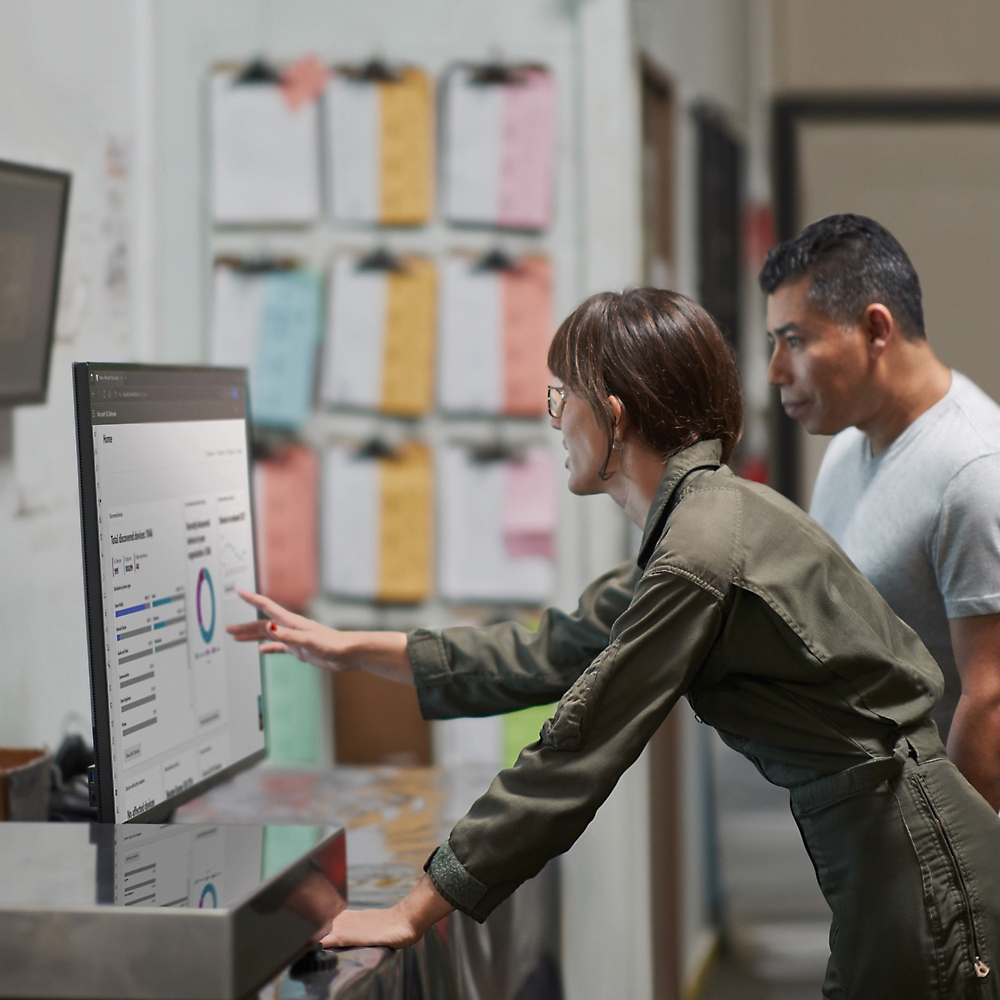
(823, 792)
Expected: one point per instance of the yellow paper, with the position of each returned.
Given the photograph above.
(405, 538)
(407, 151)
(408, 373)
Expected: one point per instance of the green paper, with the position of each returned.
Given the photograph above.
(521, 728)
(293, 711)
(284, 845)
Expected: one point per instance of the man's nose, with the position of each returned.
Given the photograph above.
(778, 371)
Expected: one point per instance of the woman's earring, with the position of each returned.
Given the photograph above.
(617, 445)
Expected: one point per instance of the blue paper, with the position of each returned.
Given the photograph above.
(284, 368)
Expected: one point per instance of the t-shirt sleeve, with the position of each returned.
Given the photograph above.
(966, 544)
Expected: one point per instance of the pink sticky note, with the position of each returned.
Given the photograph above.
(303, 81)
(287, 489)
(527, 329)
(527, 151)
(529, 514)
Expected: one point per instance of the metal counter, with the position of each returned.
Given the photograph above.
(135, 912)
(394, 818)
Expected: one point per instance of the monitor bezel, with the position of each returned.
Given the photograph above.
(8, 400)
(91, 550)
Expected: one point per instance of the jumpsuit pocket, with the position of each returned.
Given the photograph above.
(950, 870)
(567, 727)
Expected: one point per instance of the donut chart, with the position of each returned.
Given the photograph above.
(206, 609)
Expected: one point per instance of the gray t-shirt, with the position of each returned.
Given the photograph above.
(922, 520)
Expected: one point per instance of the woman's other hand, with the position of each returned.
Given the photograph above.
(397, 927)
(284, 631)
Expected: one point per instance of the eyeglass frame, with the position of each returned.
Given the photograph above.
(556, 392)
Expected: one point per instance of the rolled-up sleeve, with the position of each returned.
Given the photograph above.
(538, 808)
(501, 668)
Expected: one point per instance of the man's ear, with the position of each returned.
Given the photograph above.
(879, 327)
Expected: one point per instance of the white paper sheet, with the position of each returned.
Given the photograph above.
(473, 561)
(354, 355)
(470, 339)
(351, 513)
(265, 157)
(354, 149)
(237, 302)
(472, 148)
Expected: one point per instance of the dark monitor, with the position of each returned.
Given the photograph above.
(167, 540)
(32, 221)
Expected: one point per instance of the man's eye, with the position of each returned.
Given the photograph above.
(792, 341)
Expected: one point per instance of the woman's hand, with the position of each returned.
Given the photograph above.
(398, 927)
(283, 631)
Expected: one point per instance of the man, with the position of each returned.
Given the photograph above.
(910, 486)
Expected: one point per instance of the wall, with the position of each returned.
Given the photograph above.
(73, 80)
(891, 45)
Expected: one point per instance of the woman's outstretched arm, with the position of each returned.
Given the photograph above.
(283, 631)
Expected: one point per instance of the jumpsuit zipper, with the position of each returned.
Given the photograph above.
(981, 968)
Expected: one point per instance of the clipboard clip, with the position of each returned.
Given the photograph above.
(377, 448)
(380, 260)
(496, 260)
(258, 265)
(496, 451)
(258, 71)
(494, 73)
(374, 71)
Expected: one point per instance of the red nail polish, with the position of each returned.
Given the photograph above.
(272, 626)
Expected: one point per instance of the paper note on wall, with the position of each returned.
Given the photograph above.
(499, 149)
(379, 352)
(265, 156)
(474, 561)
(269, 322)
(286, 501)
(237, 301)
(494, 336)
(381, 148)
(293, 712)
(377, 524)
(529, 516)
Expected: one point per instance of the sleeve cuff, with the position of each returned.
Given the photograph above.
(428, 656)
(453, 881)
(972, 607)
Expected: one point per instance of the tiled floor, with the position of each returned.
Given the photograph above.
(777, 921)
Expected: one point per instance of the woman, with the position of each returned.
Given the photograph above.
(744, 605)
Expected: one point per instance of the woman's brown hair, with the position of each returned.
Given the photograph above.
(663, 356)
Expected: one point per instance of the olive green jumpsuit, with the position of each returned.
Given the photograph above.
(745, 605)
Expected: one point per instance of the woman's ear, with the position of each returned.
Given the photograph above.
(620, 418)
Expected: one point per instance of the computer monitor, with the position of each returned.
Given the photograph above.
(167, 539)
(32, 221)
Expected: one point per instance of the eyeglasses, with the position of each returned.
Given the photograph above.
(557, 401)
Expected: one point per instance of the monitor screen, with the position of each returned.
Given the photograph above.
(167, 540)
(32, 219)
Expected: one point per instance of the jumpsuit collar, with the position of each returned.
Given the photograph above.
(701, 455)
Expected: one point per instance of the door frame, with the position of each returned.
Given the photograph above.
(789, 112)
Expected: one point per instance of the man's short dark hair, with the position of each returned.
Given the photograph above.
(853, 262)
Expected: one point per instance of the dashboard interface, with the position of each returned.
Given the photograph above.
(167, 476)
